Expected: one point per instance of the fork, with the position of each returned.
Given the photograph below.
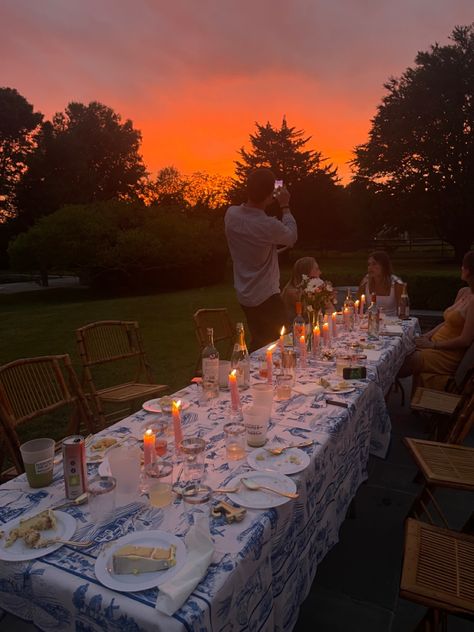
(84, 544)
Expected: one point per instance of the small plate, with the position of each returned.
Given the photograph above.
(19, 552)
(153, 405)
(131, 582)
(339, 391)
(261, 499)
(290, 461)
(97, 455)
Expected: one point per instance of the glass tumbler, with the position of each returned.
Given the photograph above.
(159, 482)
(192, 449)
(288, 361)
(235, 441)
(101, 498)
(283, 386)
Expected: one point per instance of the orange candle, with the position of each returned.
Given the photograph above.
(316, 339)
(326, 334)
(346, 316)
(270, 363)
(334, 324)
(362, 304)
(356, 311)
(234, 391)
(303, 351)
(148, 447)
(178, 433)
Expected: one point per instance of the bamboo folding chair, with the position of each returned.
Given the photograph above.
(443, 464)
(224, 330)
(34, 387)
(438, 572)
(115, 342)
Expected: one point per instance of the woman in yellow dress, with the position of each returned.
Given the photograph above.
(440, 351)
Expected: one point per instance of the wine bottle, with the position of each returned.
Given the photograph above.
(348, 310)
(299, 325)
(240, 359)
(373, 319)
(404, 306)
(210, 367)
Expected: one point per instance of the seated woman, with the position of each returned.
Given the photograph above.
(380, 279)
(440, 351)
(291, 293)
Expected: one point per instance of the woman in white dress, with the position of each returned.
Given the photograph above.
(381, 280)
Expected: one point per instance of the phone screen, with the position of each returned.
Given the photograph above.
(278, 184)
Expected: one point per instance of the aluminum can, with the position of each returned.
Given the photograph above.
(74, 463)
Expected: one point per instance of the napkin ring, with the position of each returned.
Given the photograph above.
(230, 513)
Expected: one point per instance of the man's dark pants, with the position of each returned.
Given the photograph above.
(265, 321)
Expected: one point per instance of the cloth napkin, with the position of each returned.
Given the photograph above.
(173, 593)
(393, 330)
(373, 355)
(308, 389)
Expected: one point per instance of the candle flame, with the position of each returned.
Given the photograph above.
(177, 405)
(282, 331)
(362, 297)
(148, 432)
(334, 314)
(234, 372)
(302, 338)
(316, 329)
(271, 347)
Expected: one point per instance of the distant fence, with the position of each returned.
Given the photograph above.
(415, 245)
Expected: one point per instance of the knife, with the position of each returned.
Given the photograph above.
(335, 402)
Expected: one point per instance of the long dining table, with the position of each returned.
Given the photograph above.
(262, 568)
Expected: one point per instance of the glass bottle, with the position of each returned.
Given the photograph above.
(210, 367)
(373, 316)
(240, 359)
(350, 307)
(299, 325)
(404, 306)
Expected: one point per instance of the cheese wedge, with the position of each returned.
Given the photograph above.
(45, 520)
(135, 560)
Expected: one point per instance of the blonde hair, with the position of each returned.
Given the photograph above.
(300, 267)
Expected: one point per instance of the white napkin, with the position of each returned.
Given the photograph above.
(393, 330)
(308, 389)
(173, 593)
(373, 355)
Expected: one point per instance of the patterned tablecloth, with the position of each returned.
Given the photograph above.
(263, 567)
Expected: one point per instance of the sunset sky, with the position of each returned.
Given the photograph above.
(195, 75)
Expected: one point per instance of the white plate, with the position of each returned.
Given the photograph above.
(339, 391)
(19, 552)
(104, 468)
(95, 456)
(153, 405)
(133, 583)
(261, 499)
(290, 461)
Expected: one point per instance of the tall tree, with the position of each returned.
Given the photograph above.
(315, 195)
(86, 154)
(420, 150)
(18, 124)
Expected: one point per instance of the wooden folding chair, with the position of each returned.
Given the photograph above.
(443, 464)
(115, 342)
(224, 331)
(34, 387)
(438, 572)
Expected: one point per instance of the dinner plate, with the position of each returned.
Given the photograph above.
(261, 499)
(339, 391)
(19, 552)
(153, 405)
(290, 461)
(131, 582)
(97, 455)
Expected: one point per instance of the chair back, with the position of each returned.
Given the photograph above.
(464, 420)
(221, 323)
(465, 368)
(33, 387)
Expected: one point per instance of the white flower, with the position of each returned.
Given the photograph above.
(313, 284)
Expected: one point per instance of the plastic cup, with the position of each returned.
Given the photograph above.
(262, 395)
(101, 498)
(159, 480)
(235, 435)
(224, 370)
(125, 468)
(38, 459)
(256, 420)
(283, 386)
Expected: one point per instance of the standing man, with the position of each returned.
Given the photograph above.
(253, 238)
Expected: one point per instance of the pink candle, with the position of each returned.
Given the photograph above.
(148, 447)
(362, 304)
(178, 433)
(356, 312)
(270, 363)
(326, 337)
(281, 342)
(334, 324)
(346, 317)
(303, 351)
(316, 339)
(234, 391)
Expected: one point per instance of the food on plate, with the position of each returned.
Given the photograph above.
(103, 444)
(135, 560)
(328, 355)
(45, 520)
(260, 457)
(325, 383)
(294, 459)
(166, 403)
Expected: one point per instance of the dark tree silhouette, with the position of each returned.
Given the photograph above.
(86, 154)
(420, 151)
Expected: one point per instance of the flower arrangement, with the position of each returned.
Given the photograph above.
(316, 293)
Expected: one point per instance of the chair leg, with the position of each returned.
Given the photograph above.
(434, 620)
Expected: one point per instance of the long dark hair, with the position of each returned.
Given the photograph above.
(382, 258)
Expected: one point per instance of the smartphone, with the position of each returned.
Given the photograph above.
(354, 373)
(278, 184)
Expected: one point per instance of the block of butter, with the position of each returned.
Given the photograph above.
(142, 559)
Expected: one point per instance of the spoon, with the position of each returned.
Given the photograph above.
(80, 500)
(277, 451)
(250, 484)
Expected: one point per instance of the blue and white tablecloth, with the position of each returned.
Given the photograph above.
(263, 567)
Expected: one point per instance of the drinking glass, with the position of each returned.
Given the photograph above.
(283, 386)
(262, 395)
(101, 498)
(192, 449)
(256, 420)
(159, 482)
(288, 361)
(235, 441)
(125, 468)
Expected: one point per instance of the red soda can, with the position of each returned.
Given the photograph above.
(74, 463)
